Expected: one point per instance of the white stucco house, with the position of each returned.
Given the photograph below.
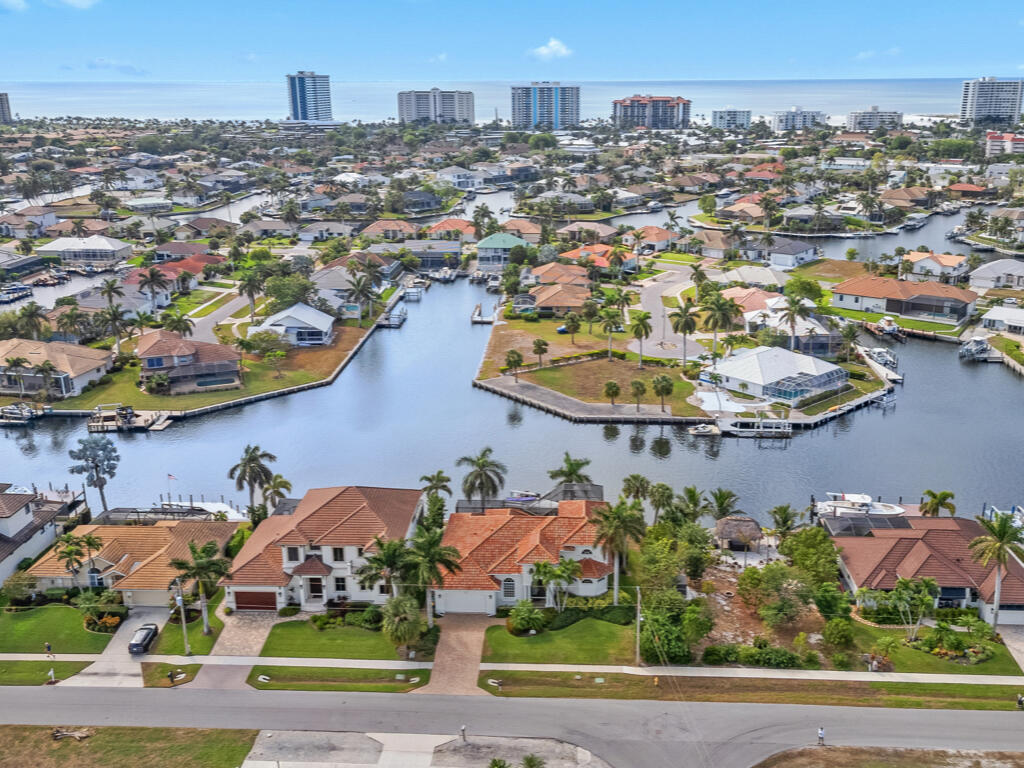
(27, 526)
(300, 325)
(926, 265)
(777, 374)
(1010, 319)
(1001, 273)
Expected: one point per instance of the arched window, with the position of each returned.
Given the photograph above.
(95, 580)
(587, 552)
(588, 581)
(508, 588)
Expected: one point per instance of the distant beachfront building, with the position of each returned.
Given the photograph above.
(872, 119)
(1003, 144)
(796, 119)
(309, 97)
(5, 109)
(658, 112)
(545, 105)
(730, 119)
(436, 106)
(991, 100)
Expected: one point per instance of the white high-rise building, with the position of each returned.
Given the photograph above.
(872, 119)
(730, 119)
(309, 97)
(436, 106)
(5, 109)
(545, 105)
(796, 119)
(991, 100)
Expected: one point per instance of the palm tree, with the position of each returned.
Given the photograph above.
(514, 361)
(1002, 538)
(111, 289)
(617, 526)
(636, 487)
(436, 483)
(723, 503)
(401, 621)
(571, 470)
(252, 471)
(660, 496)
(205, 566)
(140, 322)
(46, 370)
(720, 315)
(177, 321)
(849, 335)
(662, 386)
(546, 574)
(71, 555)
(934, 503)
(276, 489)
(638, 389)
(573, 323)
(32, 319)
(610, 322)
(290, 213)
(785, 520)
(72, 321)
(114, 318)
(540, 348)
(612, 390)
(362, 291)
(794, 311)
(486, 475)
(250, 285)
(154, 281)
(16, 366)
(691, 505)
(427, 556)
(684, 321)
(389, 562)
(641, 329)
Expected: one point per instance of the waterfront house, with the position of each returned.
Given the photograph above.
(812, 336)
(651, 238)
(785, 253)
(908, 198)
(133, 301)
(808, 215)
(264, 228)
(453, 229)
(65, 227)
(149, 204)
(204, 226)
(72, 336)
(1015, 216)
(775, 373)
(28, 222)
(528, 230)
(458, 177)
(390, 267)
(493, 252)
(334, 285)
(147, 225)
(28, 524)
(588, 232)
(310, 555)
(566, 201)
(189, 365)
(134, 560)
(761, 277)
(75, 366)
(432, 254)
(1009, 319)
(737, 533)
(599, 255)
(356, 201)
(499, 548)
(947, 267)
(324, 230)
(558, 273)
(874, 557)
(623, 198)
(300, 325)
(93, 252)
(928, 300)
(420, 201)
(556, 300)
(390, 229)
(174, 250)
(745, 212)
(1001, 273)
(965, 191)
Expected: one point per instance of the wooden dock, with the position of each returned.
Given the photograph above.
(477, 318)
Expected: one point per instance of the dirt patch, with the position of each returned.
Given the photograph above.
(861, 757)
(518, 334)
(832, 270)
(321, 360)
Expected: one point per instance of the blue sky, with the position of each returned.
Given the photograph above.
(355, 40)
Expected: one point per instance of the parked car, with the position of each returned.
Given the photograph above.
(143, 638)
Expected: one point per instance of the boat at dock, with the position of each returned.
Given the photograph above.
(915, 221)
(704, 430)
(654, 206)
(12, 292)
(758, 428)
(978, 350)
(17, 415)
(115, 417)
(884, 356)
(841, 504)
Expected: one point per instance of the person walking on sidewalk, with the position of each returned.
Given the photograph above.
(821, 736)
(49, 651)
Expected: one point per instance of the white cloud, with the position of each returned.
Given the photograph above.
(439, 59)
(872, 53)
(124, 67)
(13, 5)
(81, 4)
(552, 49)
(862, 55)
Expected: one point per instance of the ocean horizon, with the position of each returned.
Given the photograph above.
(376, 101)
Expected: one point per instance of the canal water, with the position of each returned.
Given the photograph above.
(405, 407)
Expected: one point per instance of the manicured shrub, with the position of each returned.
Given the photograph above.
(567, 618)
(428, 641)
(838, 633)
(288, 610)
(524, 617)
(616, 614)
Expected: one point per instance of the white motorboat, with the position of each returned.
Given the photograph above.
(840, 504)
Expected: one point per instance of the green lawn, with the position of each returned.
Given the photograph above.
(589, 641)
(244, 311)
(754, 690)
(678, 258)
(946, 329)
(669, 301)
(217, 284)
(171, 643)
(1008, 347)
(186, 302)
(906, 659)
(59, 625)
(154, 675)
(302, 639)
(116, 747)
(337, 679)
(38, 672)
(213, 306)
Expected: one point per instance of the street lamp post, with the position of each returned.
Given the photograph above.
(179, 598)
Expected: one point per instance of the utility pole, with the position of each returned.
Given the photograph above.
(180, 600)
(637, 654)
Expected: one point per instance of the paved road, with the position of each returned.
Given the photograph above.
(628, 734)
(203, 330)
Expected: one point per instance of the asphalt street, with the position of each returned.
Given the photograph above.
(627, 734)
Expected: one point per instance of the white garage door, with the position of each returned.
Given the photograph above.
(468, 601)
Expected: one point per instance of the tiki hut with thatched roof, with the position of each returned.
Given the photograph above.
(737, 532)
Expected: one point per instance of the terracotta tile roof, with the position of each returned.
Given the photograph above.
(72, 359)
(501, 541)
(521, 226)
(141, 554)
(560, 295)
(10, 503)
(962, 187)
(383, 226)
(890, 288)
(312, 566)
(331, 517)
(162, 343)
(654, 234)
(450, 225)
(943, 259)
(750, 299)
(566, 274)
(594, 569)
(596, 253)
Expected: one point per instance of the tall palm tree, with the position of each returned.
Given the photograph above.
(934, 503)
(290, 213)
(111, 289)
(546, 574)
(684, 321)
(1002, 538)
(617, 526)
(662, 386)
(427, 556)
(848, 335)
(32, 320)
(114, 318)
(514, 361)
(723, 503)
(276, 489)
(140, 323)
(250, 285)
(436, 483)
(177, 321)
(154, 281)
(72, 322)
(388, 562)
(571, 470)
(690, 505)
(636, 487)
(486, 475)
(252, 471)
(661, 496)
(16, 366)
(363, 292)
(720, 315)
(611, 321)
(71, 556)
(794, 311)
(641, 329)
(785, 520)
(205, 566)
(46, 370)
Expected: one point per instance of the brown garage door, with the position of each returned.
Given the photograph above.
(255, 601)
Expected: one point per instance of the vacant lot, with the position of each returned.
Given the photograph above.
(831, 270)
(520, 334)
(873, 757)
